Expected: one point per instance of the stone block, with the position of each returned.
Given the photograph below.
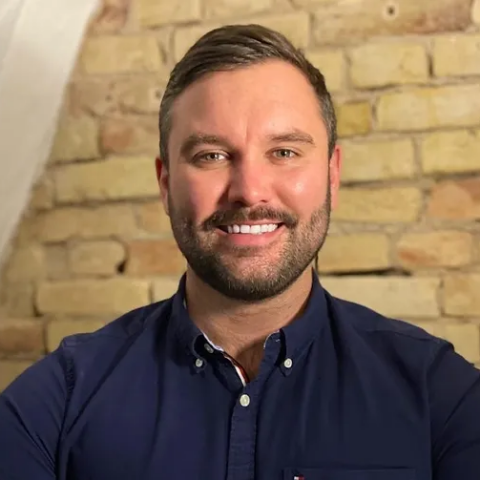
(429, 108)
(384, 205)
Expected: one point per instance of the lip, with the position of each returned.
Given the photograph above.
(263, 222)
(249, 240)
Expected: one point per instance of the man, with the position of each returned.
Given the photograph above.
(252, 370)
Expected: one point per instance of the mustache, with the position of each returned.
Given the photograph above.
(239, 216)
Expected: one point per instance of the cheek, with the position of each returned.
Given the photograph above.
(304, 193)
(197, 197)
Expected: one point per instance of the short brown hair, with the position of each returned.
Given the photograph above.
(236, 46)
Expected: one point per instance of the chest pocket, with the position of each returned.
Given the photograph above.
(327, 474)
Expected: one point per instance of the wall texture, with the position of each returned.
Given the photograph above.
(405, 240)
(30, 49)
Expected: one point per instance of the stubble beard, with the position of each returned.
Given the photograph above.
(265, 278)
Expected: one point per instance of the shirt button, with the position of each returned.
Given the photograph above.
(244, 400)
(208, 348)
(288, 363)
(199, 363)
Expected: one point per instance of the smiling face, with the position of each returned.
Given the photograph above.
(249, 186)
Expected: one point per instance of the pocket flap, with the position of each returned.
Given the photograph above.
(348, 474)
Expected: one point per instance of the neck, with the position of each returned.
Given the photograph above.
(241, 328)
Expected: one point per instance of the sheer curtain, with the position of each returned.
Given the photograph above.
(39, 42)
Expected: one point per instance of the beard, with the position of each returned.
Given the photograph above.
(264, 277)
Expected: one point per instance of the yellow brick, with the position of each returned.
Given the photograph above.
(155, 257)
(21, 337)
(427, 108)
(111, 16)
(332, 64)
(42, 197)
(309, 3)
(455, 200)
(114, 178)
(381, 64)
(456, 55)
(386, 205)
(91, 95)
(356, 252)
(153, 219)
(378, 160)
(391, 296)
(92, 297)
(294, 25)
(140, 94)
(110, 54)
(354, 21)
(57, 262)
(130, 135)
(120, 95)
(10, 370)
(476, 12)
(76, 139)
(89, 223)
(164, 288)
(185, 37)
(152, 13)
(96, 258)
(235, 8)
(465, 338)
(26, 264)
(435, 249)
(16, 299)
(353, 118)
(461, 294)
(58, 330)
(451, 152)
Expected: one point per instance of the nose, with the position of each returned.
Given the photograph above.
(250, 183)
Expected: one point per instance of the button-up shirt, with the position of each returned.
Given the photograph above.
(342, 393)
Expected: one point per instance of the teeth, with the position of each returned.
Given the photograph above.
(252, 229)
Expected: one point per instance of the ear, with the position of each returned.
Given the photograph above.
(163, 183)
(335, 171)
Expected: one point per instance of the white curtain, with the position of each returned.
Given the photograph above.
(39, 43)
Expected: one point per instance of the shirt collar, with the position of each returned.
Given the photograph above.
(296, 336)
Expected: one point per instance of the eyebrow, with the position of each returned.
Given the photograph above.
(294, 136)
(196, 139)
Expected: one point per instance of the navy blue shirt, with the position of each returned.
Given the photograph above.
(342, 394)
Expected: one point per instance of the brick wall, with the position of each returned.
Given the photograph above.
(405, 74)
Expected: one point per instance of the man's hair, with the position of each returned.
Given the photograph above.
(232, 47)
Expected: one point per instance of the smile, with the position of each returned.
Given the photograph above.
(250, 229)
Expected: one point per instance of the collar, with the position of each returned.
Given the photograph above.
(296, 337)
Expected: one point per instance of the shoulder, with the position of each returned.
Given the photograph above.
(370, 322)
(115, 335)
(391, 341)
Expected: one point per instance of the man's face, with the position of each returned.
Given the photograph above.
(249, 186)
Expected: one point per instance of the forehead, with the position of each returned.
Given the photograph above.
(248, 103)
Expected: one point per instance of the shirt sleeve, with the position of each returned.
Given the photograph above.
(31, 415)
(455, 414)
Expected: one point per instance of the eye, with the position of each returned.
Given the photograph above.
(284, 153)
(210, 157)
